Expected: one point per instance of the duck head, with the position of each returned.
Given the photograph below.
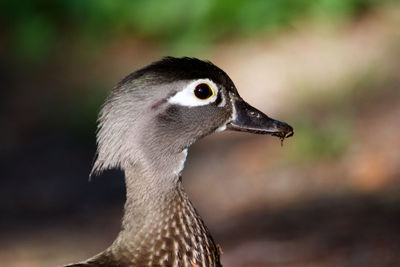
(160, 110)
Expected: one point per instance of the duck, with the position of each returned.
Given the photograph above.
(145, 127)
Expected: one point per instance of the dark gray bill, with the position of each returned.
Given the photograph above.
(250, 119)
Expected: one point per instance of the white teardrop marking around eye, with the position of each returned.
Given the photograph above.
(186, 96)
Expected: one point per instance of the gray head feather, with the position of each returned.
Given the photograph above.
(138, 125)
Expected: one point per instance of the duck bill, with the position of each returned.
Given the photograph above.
(249, 119)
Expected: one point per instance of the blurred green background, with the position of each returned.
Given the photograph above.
(330, 68)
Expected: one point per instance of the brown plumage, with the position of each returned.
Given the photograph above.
(176, 236)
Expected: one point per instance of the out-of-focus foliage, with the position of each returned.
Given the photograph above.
(35, 28)
(315, 142)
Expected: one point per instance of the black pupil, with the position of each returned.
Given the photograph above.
(203, 91)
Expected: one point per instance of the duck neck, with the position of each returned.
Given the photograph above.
(147, 196)
(160, 224)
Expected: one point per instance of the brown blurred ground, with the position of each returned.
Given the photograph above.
(303, 204)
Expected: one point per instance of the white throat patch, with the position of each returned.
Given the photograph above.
(182, 163)
(186, 96)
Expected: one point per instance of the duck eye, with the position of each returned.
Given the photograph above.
(203, 91)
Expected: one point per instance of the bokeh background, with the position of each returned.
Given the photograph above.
(330, 68)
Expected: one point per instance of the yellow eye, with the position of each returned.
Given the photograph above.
(203, 91)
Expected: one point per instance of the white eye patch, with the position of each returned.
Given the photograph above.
(187, 97)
